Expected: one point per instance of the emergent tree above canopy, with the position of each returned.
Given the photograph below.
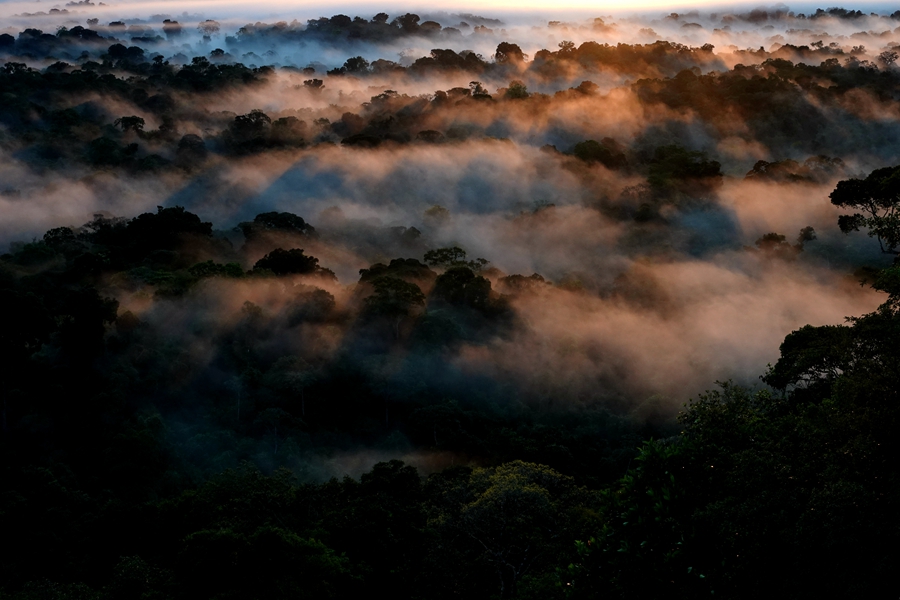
(877, 197)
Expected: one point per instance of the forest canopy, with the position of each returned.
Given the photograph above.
(441, 305)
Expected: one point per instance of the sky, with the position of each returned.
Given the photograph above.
(308, 8)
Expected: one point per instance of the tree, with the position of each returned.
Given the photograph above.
(269, 562)
(608, 152)
(878, 198)
(166, 228)
(409, 22)
(133, 577)
(291, 262)
(288, 131)
(104, 151)
(378, 522)
(566, 48)
(460, 286)
(512, 520)
(209, 27)
(213, 269)
(191, 149)
(775, 245)
(402, 268)
(132, 123)
(314, 85)
(395, 299)
(516, 90)
(509, 53)
(117, 51)
(172, 29)
(444, 257)
(250, 127)
(357, 64)
(452, 256)
(59, 235)
(521, 284)
(888, 57)
(674, 169)
(340, 21)
(430, 28)
(311, 305)
(275, 222)
(811, 357)
(478, 90)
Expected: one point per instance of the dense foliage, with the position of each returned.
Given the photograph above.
(114, 444)
(181, 398)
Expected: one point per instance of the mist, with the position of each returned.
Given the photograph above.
(610, 155)
(458, 301)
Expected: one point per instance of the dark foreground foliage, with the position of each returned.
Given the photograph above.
(793, 490)
(130, 472)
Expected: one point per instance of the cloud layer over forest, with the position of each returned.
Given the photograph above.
(628, 161)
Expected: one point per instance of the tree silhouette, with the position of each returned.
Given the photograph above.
(395, 299)
(509, 53)
(209, 27)
(132, 123)
(878, 198)
(291, 262)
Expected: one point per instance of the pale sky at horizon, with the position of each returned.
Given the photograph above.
(239, 8)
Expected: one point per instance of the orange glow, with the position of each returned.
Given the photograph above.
(307, 8)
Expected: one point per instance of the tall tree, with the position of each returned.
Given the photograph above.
(877, 200)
